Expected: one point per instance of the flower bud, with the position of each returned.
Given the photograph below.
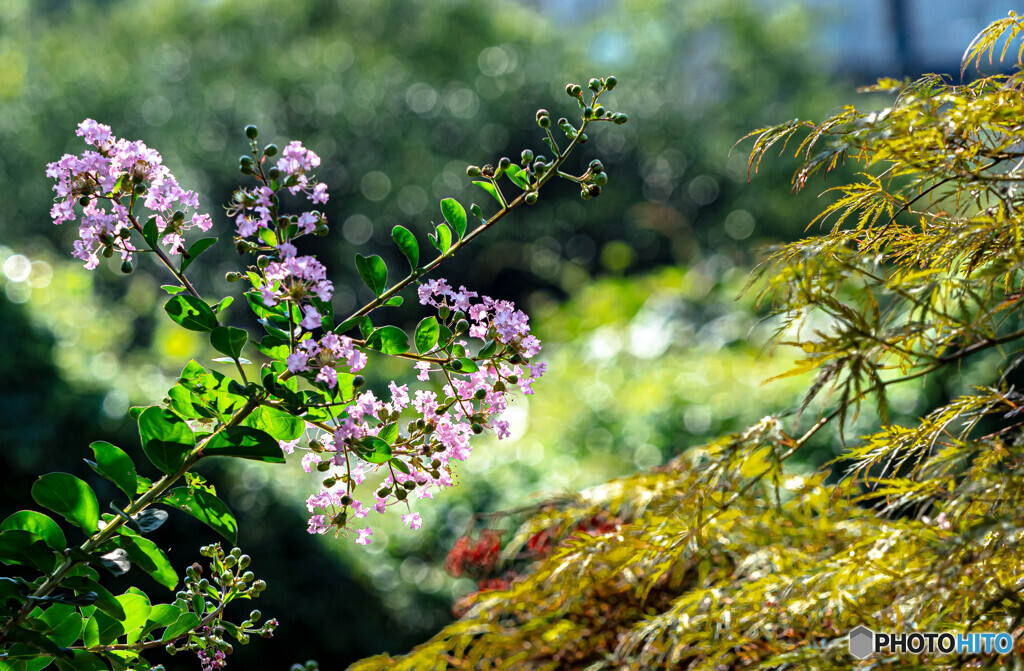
(596, 166)
(346, 500)
(83, 201)
(588, 112)
(461, 326)
(248, 576)
(477, 428)
(513, 378)
(255, 616)
(409, 484)
(400, 494)
(456, 365)
(178, 216)
(583, 138)
(126, 266)
(544, 121)
(595, 85)
(330, 482)
(108, 251)
(436, 463)
(542, 113)
(504, 163)
(443, 312)
(569, 89)
(232, 276)
(499, 386)
(273, 173)
(527, 157)
(479, 394)
(600, 179)
(323, 466)
(251, 132)
(270, 150)
(473, 171)
(595, 191)
(316, 446)
(383, 492)
(263, 261)
(599, 111)
(620, 118)
(321, 229)
(531, 198)
(610, 82)
(358, 381)
(171, 650)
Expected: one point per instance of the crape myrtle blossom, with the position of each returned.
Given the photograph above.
(109, 183)
(444, 423)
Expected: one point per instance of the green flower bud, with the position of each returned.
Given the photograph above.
(461, 326)
(456, 365)
(600, 179)
(599, 111)
(569, 89)
(232, 276)
(472, 171)
(443, 312)
(273, 173)
(323, 466)
(330, 482)
(126, 266)
(346, 500)
(178, 216)
(400, 494)
(583, 138)
(610, 82)
(245, 161)
(251, 132)
(383, 492)
(479, 394)
(596, 166)
(513, 378)
(248, 576)
(321, 229)
(255, 616)
(515, 359)
(541, 113)
(531, 198)
(620, 118)
(588, 112)
(409, 484)
(499, 386)
(504, 163)
(595, 85)
(577, 90)
(477, 428)
(171, 650)
(108, 251)
(358, 381)
(83, 201)
(270, 150)
(436, 463)
(544, 121)
(262, 261)
(527, 157)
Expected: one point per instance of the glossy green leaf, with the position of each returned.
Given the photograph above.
(38, 524)
(268, 236)
(426, 335)
(66, 623)
(519, 176)
(172, 288)
(375, 451)
(406, 242)
(455, 215)
(148, 556)
(197, 248)
(477, 212)
(444, 238)
(373, 271)
(18, 546)
(207, 508)
(115, 465)
(489, 188)
(278, 423)
(82, 661)
(388, 433)
(160, 616)
(224, 304)
(150, 233)
(389, 340)
(105, 601)
(394, 301)
(191, 313)
(182, 625)
(228, 340)
(69, 497)
(468, 365)
(245, 442)
(166, 438)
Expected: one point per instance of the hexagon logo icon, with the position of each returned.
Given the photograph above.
(862, 642)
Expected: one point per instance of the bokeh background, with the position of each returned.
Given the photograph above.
(635, 294)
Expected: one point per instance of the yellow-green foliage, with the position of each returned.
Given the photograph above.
(726, 559)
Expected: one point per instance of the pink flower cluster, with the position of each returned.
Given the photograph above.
(297, 278)
(443, 427)
(324, 355)
(257, 204)
(114, 172)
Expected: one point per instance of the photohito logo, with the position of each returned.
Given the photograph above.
(864, 642)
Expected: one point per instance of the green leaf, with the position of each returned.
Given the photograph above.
(400, 465)
(191, 313)
(149, 520)
(388, 433)
(477, 212)
(394, 301)
(389, 340)
(376, 450)
(278, 423)
(182, 625)
(162, 615)
(115, 465)
(206, 508)
(268, 236)
(373, 271)
(224, 304)
(406, 242)
(489, 188)
(69, 497)
(136, 609)
(66, 623)
(426, 335)
(197, 248)
(82, 661)
(150, 233)
(245, 442)
(455, 215)
(38, 524)
(172, 289)
(519, 176)
(468, 366)
(228, 340)
(488, 350)
(105, 601)
(444, 238)
(148, 556)
(18, 546)
(166, 438)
